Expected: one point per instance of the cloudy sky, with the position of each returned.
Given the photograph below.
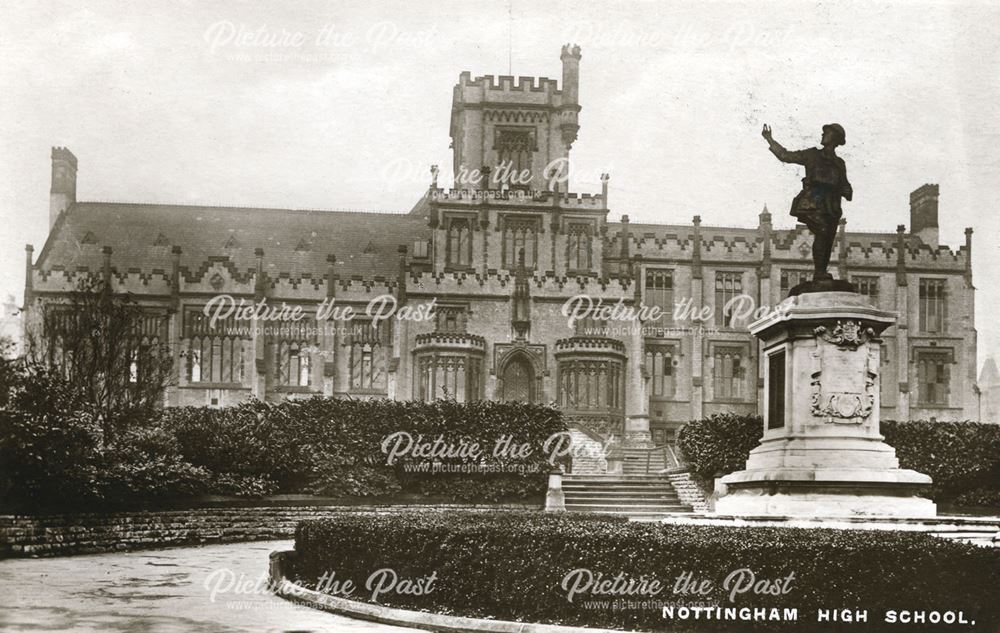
(337, 105)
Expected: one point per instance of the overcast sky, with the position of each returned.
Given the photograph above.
(337, 105)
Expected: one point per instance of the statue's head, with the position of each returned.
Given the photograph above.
(833, 134)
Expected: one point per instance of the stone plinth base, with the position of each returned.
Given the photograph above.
(841, 492)
(821, 453)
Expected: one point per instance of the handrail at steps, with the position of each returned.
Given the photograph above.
(670, 460)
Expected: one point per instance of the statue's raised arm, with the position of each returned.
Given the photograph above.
(778, 150)
(818, 204)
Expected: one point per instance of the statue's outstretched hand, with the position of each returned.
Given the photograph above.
(766, 132)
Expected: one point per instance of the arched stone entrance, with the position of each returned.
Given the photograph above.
(517, 380)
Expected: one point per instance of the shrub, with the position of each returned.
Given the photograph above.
(242, 486)
(335, 480)
(49, 441)
(719, 444)
(959, 456)
(334, 446)
(54, 453)
(144, 465)
(512, 566)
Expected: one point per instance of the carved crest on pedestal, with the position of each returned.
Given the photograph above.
(845, 334)
(845, 382)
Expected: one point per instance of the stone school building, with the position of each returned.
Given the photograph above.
(500, 258)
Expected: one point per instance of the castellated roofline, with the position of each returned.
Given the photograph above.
(540, 199)
(154, 283)
(509, 83)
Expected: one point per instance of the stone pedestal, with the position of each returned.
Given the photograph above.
(821, 453)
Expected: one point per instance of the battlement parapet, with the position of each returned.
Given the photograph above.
(508, 83)
(516, 198)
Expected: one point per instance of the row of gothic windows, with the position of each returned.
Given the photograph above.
(659, 291)
(67, 338)
(519, 236)
(591, 385)
(215, 353)
(456, 377)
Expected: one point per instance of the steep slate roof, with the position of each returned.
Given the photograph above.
(294, 241)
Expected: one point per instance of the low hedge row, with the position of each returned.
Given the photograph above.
(514, 566)
(963, 458)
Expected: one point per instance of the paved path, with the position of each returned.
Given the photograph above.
(157, 591)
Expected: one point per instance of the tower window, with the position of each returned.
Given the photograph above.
(579, 256)
(459, 242)
(518, 234)
(515, 148)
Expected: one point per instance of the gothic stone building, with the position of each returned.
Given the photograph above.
(500, 259)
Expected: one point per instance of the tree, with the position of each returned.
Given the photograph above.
(110, 348)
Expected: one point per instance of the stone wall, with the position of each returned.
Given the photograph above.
(52, 535)
(688, 491)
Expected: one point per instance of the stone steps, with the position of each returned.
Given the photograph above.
(688, 491)
(646, 497)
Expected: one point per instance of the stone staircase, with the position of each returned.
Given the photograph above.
(647, 497)
(636, 461)
(688, 491)
(588, 456)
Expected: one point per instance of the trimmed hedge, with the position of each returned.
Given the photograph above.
(333, 446)
(719, 444)
(512, 566)
(963, 458)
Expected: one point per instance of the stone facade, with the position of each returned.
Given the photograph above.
(500, 257)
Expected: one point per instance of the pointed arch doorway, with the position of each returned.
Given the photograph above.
(517, 380)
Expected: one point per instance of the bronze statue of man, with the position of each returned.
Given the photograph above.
(818, 204)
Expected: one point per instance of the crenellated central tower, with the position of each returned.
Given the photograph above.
(517, 135)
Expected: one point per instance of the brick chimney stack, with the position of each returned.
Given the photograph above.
(62, 194)
(924, 214)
